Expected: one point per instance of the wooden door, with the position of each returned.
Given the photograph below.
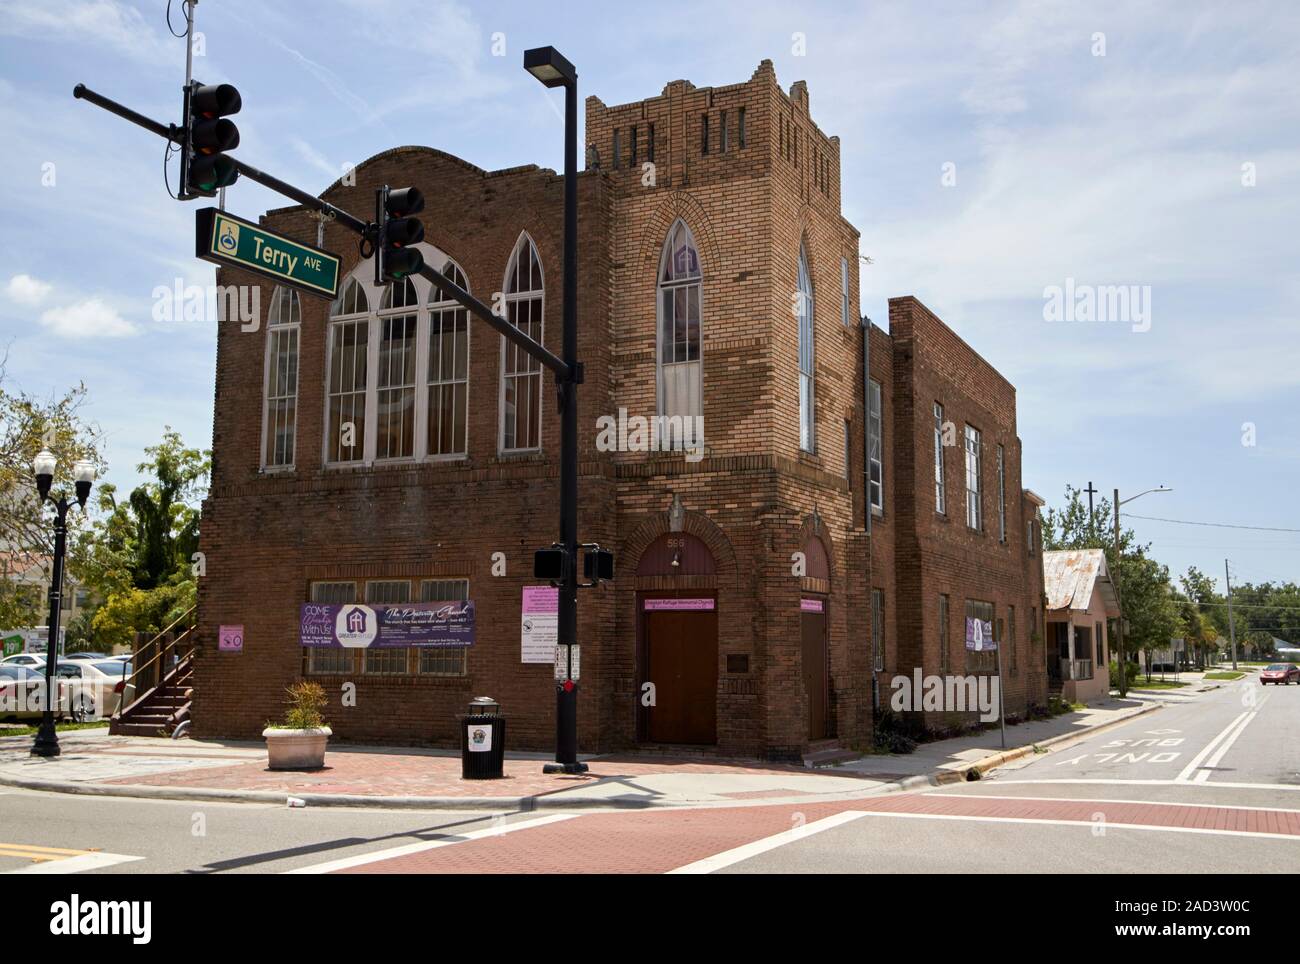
(813, 633)
(682, 662)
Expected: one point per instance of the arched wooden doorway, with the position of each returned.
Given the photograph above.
(814, 639)
(677, 641)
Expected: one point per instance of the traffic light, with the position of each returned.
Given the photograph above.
(549, 564)
(205, 168)
(395, 255)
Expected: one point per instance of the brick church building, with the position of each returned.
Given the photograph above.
(855, 498)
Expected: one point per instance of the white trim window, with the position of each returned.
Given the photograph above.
(804, 308)
(280, 388)
(1002, 495)
(448, 371)
(875, 439)
(940, 495)
(521, 374)
(974, 513)
(844, 291)
(680, 369)
(349, 369)
(395, 384)
(397, 388)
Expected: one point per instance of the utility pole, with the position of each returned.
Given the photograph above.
(1232, 630)
(1119, 623)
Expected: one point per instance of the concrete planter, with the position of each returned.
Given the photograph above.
(296, 749)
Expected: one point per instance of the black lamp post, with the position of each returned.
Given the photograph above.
(551, 69)
(83, 474)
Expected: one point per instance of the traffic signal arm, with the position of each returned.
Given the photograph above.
(535, 349)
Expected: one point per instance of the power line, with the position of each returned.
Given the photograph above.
(1217, 525)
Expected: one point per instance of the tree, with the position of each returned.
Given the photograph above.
(138, 555)
(27, 425)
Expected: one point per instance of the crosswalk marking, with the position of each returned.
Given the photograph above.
(60, 860)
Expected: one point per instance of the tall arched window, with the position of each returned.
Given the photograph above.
(283, 327)
(349, 344)
(807, 434)
(680, 368)
(521, 374)
(448, 372)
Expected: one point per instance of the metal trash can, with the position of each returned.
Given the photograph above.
(483, 740)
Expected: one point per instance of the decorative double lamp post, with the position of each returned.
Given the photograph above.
(83, 475)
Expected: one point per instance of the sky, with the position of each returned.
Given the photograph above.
(1004, 163)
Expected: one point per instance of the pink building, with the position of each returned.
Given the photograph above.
(1080, 598)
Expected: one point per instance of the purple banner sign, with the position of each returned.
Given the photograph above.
(372, 626)
(653, 605)
(979, 635)
(810, 605)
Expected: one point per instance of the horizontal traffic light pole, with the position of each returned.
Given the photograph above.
(562, 370)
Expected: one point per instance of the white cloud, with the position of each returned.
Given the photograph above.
(97, 23)
(26, 290)
(91, 318)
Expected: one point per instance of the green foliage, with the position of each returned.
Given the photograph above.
(895, 734)
(1133, 670)
(28, 424)
(137, 556)
(306, 700)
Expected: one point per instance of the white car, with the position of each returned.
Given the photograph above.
(94, 688)
(33, 660)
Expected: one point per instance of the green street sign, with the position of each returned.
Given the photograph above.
(222, 238)
(13, 645)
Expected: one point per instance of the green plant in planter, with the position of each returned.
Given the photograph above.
(306, 700)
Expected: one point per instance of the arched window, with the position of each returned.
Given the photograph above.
(521, 374)
(680, 369)
(448, 374)
(395, 381)
(348, 365)
(280, 423)
(807, 434)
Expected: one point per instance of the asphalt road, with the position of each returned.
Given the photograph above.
(1210, 784)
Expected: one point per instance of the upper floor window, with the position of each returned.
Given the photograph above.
(283, 333)
(680, 284)
(704, 133)
(349, 371)
(398, 373)
(1002, 495)
(844, 290)
(940, 499)
(875, 431)
(740, 126)
(448, 371)
(521, 374)
(804, 309)
(974, 515)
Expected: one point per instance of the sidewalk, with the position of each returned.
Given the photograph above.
(93, 762)
(948, 760)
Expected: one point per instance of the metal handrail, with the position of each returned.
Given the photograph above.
(142, 698)
(164, 647)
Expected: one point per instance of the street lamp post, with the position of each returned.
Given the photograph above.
(83, 474)
(551, 69)
(1119, 623)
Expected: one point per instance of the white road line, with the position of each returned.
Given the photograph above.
(345, 862)
(1185, 776)
(734, 856)
(75, 865)
(1154, 803)
(1082, 823)
(1159, 783)
(1212, 762)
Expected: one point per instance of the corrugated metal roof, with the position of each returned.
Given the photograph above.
(1071, 575)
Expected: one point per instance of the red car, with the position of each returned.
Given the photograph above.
(1280, 673)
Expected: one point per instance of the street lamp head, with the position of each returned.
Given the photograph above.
(43, 467)
(550, 67)
(83, 474)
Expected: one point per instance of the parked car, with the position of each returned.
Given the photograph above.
(1279, 673)
(24, 659)
(84, 656)
(95, 688)
(20, 693)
